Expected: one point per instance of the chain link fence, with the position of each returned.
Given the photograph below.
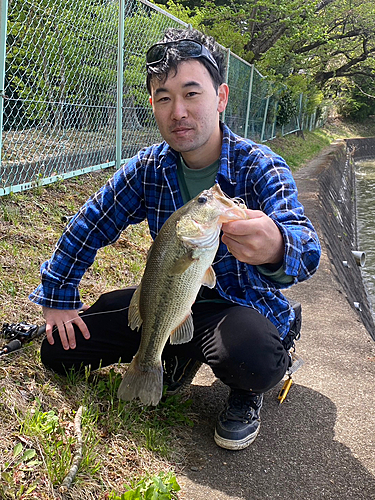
(72, 92)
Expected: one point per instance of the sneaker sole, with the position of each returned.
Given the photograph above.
(240, 444)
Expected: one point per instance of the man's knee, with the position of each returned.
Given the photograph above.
(114, 300)
(250, 354)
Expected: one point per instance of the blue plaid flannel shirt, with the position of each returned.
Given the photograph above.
(147, 188)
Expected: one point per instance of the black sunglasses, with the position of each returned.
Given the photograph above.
(188, 49)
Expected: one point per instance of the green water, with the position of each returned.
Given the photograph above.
(365, 181)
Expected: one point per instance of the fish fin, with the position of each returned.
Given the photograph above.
(184, 332)
(146, 383)
(183, 263)
(209, 278)
(134, 316)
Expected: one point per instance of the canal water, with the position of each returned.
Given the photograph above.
(365, 181)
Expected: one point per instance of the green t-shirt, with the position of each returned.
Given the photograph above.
(193, 181)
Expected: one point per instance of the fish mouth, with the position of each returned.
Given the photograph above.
(230, 208)
(235, 213)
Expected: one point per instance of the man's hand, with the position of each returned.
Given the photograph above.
(64, 320)
(256, 240)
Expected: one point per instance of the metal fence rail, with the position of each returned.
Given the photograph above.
(72, 93)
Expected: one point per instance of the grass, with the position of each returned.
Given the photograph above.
(128, 449)
(297, 150)
(124, 444)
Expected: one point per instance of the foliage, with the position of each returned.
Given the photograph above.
(287, 108)
(320, 43)
(358, 102)
(46, 63)
(23, 461)
(56, 442)
(160, 487)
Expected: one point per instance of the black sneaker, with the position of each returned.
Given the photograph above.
(238, 424)
(179, 373)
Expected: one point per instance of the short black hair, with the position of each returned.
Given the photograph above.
(173, 57)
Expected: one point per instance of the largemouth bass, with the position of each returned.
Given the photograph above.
(178, 263)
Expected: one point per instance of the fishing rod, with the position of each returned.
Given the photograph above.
(18, 334)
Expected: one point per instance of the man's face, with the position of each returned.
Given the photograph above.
(186, 108)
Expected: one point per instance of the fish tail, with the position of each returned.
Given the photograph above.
(144, 382)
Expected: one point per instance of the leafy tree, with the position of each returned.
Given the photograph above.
(327, 42)
(53, 65)
(358, 100)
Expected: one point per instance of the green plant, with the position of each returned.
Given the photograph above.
(57, 444)
(160, 487)
(23, 462)
(151, 425)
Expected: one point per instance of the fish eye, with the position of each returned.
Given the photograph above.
(202, 199)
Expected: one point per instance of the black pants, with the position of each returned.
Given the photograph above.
(242, 347)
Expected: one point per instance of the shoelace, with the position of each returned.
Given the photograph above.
(242, 408)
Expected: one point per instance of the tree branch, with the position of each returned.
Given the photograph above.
(320, 43)
(321, 5)
(363, 92)
(67, 482)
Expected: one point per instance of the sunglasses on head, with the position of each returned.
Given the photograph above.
(188, 49)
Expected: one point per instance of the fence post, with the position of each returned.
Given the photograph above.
(274, 121)
(265, 118)
(249, 100)
(120, 81)
(3, 38)
(300, 123)
(226, 81)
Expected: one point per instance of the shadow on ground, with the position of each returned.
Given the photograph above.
(295, 455)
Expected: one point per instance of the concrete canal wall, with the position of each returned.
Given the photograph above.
(335, 175)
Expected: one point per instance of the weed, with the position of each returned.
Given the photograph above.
(23, 462)
(56, 443)
(10, 288)
(151, 426)
(10, 213)
(38, 184)
(160, 487)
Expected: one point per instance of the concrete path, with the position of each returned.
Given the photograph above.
(320, 443)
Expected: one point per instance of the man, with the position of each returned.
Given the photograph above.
(241, 326)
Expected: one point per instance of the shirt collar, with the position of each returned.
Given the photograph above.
(167, 157)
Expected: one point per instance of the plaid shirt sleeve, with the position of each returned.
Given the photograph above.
(264, 182)
(276, 194)
(98, 223)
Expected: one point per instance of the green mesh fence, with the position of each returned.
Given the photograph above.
(236, 114)
(60, 89)
(59, 98)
